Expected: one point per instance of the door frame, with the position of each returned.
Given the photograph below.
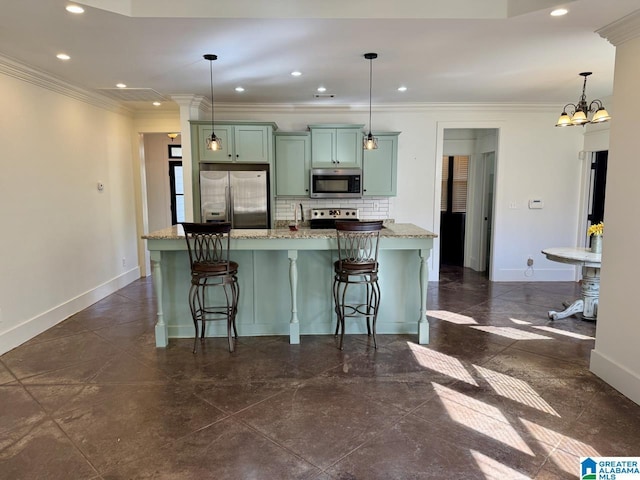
(441, 126)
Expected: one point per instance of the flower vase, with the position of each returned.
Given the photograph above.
(596, 244)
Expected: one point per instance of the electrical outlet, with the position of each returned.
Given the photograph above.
(124, 262)
(376, 206)
(530, 262)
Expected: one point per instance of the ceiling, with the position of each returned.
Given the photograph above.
(469, 51)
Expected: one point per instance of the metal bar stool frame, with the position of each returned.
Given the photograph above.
(208, 247)
(357, 264)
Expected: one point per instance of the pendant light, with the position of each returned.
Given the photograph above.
(213, 142)
(579, 111)
(370, 142)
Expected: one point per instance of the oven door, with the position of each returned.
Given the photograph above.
(336, 183)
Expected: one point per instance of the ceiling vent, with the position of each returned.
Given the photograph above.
(133, 94)
(324, 95)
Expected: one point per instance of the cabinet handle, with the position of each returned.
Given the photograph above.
(237, 156)
(229, 155)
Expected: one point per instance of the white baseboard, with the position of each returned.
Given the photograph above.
(616, 375)
(28, 329)
(535, 275)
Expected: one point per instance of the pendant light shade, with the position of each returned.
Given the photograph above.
(213, 142)
(578, 112)
(370, 142)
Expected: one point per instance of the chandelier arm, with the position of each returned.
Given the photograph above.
(598, 105)
(572, 105)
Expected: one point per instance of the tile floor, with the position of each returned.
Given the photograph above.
(500, 393)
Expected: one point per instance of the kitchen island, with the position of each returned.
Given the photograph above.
(285, 280)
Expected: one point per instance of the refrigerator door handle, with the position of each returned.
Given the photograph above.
(227, 197)
(231, 208)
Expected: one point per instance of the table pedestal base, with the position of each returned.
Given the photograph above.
(588, 304)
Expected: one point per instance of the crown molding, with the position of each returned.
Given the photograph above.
(22, 72)
(395, 107)
(622, 30)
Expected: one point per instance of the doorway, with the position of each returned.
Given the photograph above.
(467, 197)
(453, 209)
(176, 188)
(597, 188)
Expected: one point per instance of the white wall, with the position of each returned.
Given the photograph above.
(64, 242)
(535, 159)
(615, 357)
(148, 123)
(156, 161)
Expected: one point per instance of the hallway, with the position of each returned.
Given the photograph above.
(499, 393)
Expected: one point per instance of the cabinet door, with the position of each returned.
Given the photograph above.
(251, 144)
(380, 167)
(292, 165)
(225, 134)
(348, 148)
(323, 144)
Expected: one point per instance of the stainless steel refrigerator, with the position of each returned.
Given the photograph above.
(235, 193)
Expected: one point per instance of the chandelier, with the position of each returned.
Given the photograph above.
(577, 114)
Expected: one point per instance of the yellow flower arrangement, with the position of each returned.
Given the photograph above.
(597, 229)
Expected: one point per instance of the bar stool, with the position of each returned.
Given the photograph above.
(208, 246)
(357, 264)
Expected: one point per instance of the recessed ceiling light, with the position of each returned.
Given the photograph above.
(558, 12)
(74, 9)
(322, 89)
(402, 89)
(296, 73)
(239, 89)
(121, 85)
(156, 104)
(63, 56)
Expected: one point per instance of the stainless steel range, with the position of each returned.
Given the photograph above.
(326, 217)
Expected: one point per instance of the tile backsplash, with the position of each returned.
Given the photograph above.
(370, 208)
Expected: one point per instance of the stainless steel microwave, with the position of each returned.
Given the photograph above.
(336, 183)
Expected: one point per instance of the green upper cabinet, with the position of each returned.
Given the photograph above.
(380, 167)
(224, 133)
(293, 161)
(240, 143)
(336, 146)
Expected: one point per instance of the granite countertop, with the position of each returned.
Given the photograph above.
(391, 230)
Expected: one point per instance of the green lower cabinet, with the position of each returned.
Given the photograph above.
(380, 167)
(293, 161)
